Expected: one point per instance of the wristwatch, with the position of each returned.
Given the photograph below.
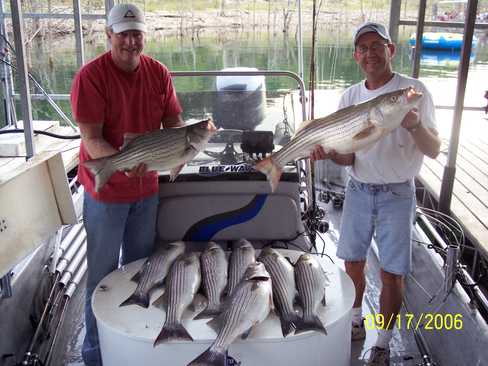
(415, 128)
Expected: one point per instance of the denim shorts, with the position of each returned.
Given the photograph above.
(385, 211)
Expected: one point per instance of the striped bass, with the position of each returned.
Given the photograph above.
(166, 149)
(311, 281)
(153, 273)
(346, 131)
(214, 267)
(182, 284)
(248, 306)
(284, 289)
(242, 256)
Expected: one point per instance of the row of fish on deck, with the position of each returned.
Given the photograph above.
(238, 293)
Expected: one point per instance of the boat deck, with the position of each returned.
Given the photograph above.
(469, 203)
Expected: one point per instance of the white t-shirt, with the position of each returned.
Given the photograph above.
(395, 158)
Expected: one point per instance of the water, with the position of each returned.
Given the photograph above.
(53, 63)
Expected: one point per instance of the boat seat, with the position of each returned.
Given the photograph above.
(203, 211)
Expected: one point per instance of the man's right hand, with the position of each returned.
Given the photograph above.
(319, 153)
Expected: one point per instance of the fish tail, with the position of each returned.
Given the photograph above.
(102, 169)
(137, 299)
(172, 332)
(211, 357)
(311, 322)
(289, 323)
(271, 170)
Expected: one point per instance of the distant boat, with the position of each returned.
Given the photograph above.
(442, 41)
(438, 57)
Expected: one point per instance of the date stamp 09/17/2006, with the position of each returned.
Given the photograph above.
(408, 321)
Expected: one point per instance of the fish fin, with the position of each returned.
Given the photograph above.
(211, 357)
(161, 302)
(128, 138)
(290, 261)
(137, 299)
(303, 125)
(172, 332)
(216, 323)
(174, 172)
(245, 335)
(197, 306)
(271, 170)
(137, 276)
(310, 323)
(101, 169)
(324, 302)
(365, 132)
(208, 313)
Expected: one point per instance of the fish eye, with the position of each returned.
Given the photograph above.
(394, 99)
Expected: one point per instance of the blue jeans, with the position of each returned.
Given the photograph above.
(110, 227)
(388, 210)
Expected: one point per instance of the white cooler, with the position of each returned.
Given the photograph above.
(127, 333)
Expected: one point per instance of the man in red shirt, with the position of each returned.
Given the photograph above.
(120, 94)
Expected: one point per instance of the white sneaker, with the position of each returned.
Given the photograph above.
(358, 332)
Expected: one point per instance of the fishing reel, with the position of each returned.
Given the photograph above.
(315, 221)
(254, 144)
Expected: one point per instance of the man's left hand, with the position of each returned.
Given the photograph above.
(137, 171)
(411, 119)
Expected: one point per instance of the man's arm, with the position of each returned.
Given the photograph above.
(425, 138)
(341, 159)
(95, 144)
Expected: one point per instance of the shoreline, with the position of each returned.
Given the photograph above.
(183, 23)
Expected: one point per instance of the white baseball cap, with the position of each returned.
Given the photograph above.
(124, 17)
(369, 27)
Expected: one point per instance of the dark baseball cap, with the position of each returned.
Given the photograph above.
(372, 27)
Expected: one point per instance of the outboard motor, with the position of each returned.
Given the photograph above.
(240, 101)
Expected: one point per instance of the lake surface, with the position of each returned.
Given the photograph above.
(54, 63)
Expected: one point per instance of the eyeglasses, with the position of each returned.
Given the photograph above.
(375, 48)
(137, 35)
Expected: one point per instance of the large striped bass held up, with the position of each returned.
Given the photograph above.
(249, 305)
(346, 131)
(168, 149)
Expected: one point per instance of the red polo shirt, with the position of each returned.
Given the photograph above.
(125, 102)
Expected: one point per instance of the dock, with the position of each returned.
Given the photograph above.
(469, 205)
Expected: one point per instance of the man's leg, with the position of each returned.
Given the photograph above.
(104, 225)
(390, 304)
(140, 230)
(355, 270)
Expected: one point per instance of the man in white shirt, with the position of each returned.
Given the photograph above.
(380, 195)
